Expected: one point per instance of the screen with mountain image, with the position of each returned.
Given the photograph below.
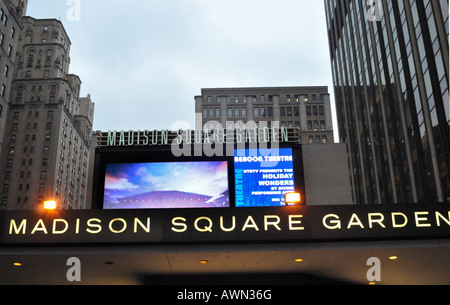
(166, 185)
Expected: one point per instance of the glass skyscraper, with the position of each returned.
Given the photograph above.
(390, 70)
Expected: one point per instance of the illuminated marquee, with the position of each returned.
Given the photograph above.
(288, 224)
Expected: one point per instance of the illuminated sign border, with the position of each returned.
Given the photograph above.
(249, 225)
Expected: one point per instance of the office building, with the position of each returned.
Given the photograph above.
(48, 124)
(306, 110)
(390, 70)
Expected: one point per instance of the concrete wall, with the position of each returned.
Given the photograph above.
(327, 177)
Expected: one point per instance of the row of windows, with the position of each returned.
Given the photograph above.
(262, 98)
(315, 139)
(16, 114)
(46, 73)
(20, 91)
(261, 112)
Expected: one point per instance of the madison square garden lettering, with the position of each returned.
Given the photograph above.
(296, 224)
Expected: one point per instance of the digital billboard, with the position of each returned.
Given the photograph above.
(153, 178)
(263, 176)
(165, 185)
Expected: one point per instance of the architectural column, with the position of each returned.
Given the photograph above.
(223, 111)
(303, 120)
(276, 108)
(327, 109)
(250, 116)
(198, 112)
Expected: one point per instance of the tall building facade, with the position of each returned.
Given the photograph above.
(390, 69)
(11, 12)
(48, 124)
(306, 110)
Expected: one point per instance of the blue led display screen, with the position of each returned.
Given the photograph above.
(263, 176)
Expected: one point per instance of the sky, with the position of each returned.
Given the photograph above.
(144, 61)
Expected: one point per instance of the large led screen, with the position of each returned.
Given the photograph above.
(166, 185)
(263, 176)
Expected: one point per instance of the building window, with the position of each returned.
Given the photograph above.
(230, 112)
(289, 111)
(6, 71)
(308, 110)
(211, 112)
(46, 73)
(263, 112)
(314, 110)
(205, 112)
(236, 99)
(256, 112)
(321, 110)
(244, 112)
(3, 91)
(2, 38)
(262, 98)
(316, 125)
(322, 125)
(217, 112)
(282, 111)
(43, 174)
(209, 99)
(237, 111)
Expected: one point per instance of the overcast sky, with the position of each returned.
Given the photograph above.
(144, 61)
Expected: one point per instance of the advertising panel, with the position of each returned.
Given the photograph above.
(166, 185)
(263, 177)
(153, 178)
